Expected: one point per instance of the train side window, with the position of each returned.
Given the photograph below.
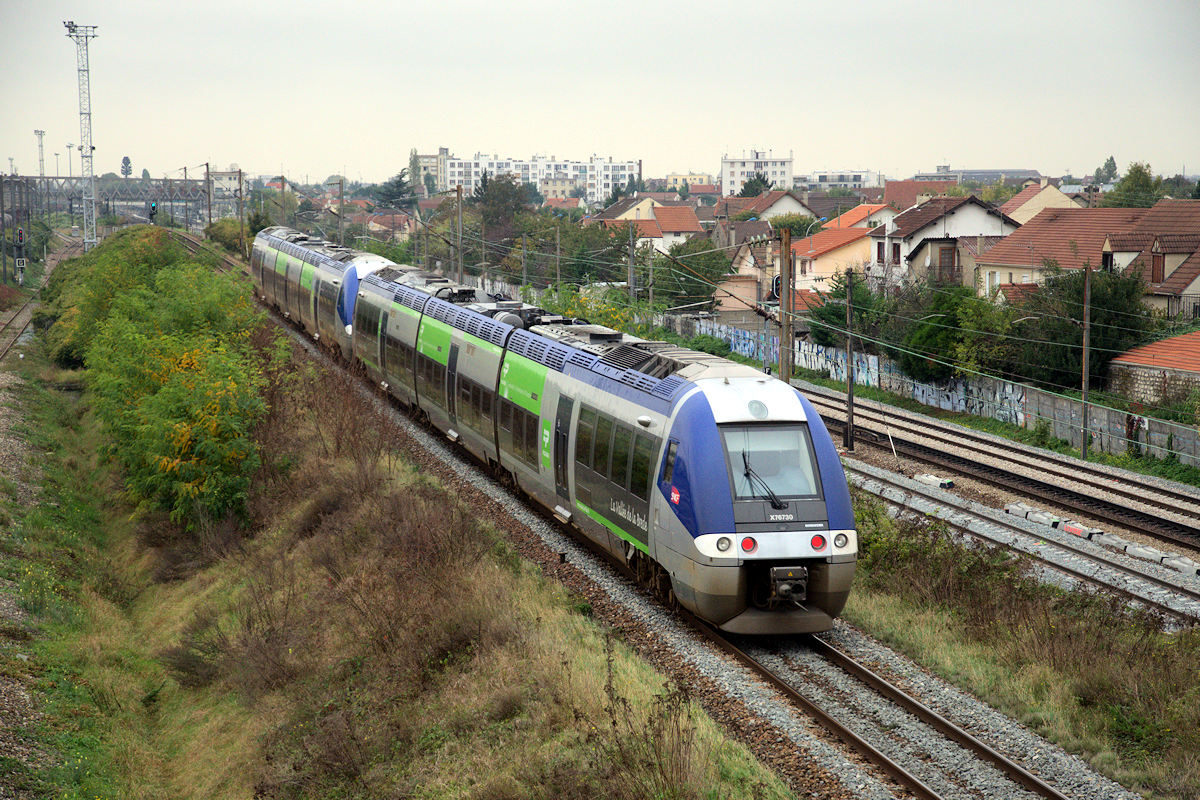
(584, 435)
(644, 448)
(506, 415)
(622, 448)
(531, 437)
(604, 429)
(486, 397)
(669, 462)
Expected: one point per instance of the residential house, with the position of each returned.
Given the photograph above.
(677, 223)
(970, 248)
(1164, 245)
(1016, 294)
(1066, 237)
(645, 231)
(770, 204)
(819, 257)
(749, 282)
(691, 180)
(628, 208)
(864, 215)
(564, 203)
(1026, 204)
(821, 204)
(730, 234)
(1163, 372)
(906, 194)
(922, 242)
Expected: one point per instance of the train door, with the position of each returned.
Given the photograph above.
(562, 456)
(452, 384)
(381, 345)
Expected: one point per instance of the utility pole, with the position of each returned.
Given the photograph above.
(650, 258)
(208, 191)
(848, 439)
(458, 247)
(81, 34)
(1087, 315)
(187, 224)
(524, 271)
(632, 291)
(42, 171)
(483, 256)
(3, 232)
(785, 305)
(241, 217)
(341, 209)
(557, 257)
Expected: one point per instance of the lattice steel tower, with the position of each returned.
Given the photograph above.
(81, 34)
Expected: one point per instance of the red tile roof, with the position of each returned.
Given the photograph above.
(1171, 216)
(1021, 198)
(765, 200)
(704, 188)
(677, 219)
(855, 215)
(971, 243)
(1017, 293)
(562, 202)
(806, 300)
(1130, 242)
(1181, 278)
(826, 241)
(646, 228)
(1070, 236)
(903, 194)
(1178, 352)
(919, 217)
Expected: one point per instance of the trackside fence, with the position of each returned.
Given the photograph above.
(1112, 430)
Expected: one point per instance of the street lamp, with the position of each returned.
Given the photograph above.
(69, 146)
(56, 164)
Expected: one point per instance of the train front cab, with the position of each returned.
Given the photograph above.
(752, 516)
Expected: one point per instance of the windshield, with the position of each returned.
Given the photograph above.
(767, 462)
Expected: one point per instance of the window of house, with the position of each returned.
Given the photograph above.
(895, 252)
(879, 252)
(1157, 267)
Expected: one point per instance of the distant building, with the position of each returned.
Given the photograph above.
(985, 176)
(689, 180)
(837, 179)
(553, 177)
(736, 170)
(1026, 204)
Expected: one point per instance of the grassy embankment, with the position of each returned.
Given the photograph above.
(1080, 669)
(241, 588)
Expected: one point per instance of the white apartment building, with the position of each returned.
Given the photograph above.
(736, 170)
(598, 175)
(837, 178)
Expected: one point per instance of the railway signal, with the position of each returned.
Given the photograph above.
(153, 209)
(20, 237)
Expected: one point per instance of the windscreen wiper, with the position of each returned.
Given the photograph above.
(776, 503)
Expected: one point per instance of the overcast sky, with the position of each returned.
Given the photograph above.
(320, 88)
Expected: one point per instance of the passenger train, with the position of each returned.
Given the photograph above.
(717, 484)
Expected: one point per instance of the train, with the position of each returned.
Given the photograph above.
(716, 484)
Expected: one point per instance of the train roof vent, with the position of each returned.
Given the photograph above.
(413, 299)
(581, 359)
(556, 357)
(667, 387)
(639, 380)
(627, 357)
(494, 331)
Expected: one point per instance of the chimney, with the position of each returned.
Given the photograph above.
(978, 246)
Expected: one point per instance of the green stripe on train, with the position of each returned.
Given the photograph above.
(522, 381)
(433, 340)
(616, 529)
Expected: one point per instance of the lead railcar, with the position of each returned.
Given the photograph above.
(719, 485)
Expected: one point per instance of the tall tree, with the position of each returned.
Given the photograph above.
(414, 168)
(756, 185)
(1107, 171)
(145, 174)
(798, 224)
(126, 167)
(396, 192)
(1139, 188)
(430, 184)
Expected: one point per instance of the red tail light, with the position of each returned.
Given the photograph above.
(748, 545)
(818, 542)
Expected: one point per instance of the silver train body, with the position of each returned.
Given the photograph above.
(716, 483)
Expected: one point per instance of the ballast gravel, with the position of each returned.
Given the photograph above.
(791, 744)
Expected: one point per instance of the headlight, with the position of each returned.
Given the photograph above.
(840, 540)
(724, 543)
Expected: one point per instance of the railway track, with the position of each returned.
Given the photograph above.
(14, 324)
(1169, 513)
(1174, 597)
(924, 774)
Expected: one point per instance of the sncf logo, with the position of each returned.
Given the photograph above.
(674, 495)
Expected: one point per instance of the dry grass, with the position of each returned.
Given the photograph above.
(1083, 669)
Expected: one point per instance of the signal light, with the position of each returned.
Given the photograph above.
(748, 545)
(818, 542)
(20, 237)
